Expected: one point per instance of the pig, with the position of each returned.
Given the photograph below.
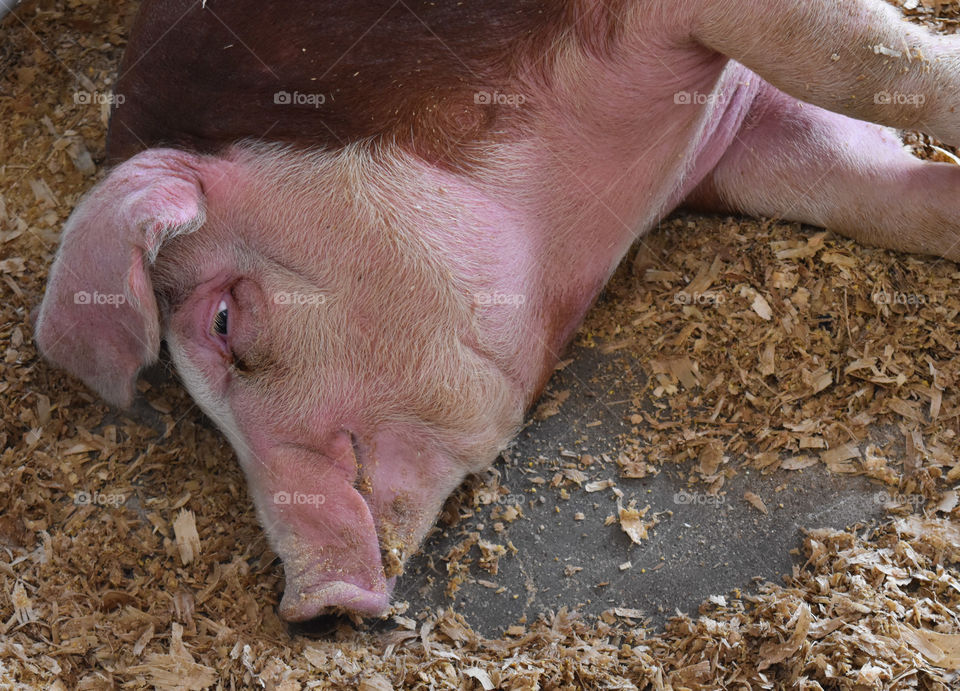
(367, 230)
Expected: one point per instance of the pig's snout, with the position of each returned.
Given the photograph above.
(304, 602)
(343, 515)
(323, 529)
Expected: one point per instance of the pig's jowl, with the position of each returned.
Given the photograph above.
(366, 230)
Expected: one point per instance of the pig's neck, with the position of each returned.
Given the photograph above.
(581, 189)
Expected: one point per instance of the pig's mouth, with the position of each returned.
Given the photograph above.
(393, 547)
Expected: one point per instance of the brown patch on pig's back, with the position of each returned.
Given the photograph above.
(202, 78)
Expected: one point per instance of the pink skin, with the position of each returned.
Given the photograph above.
(377, 450)
(329, 529)
(395, 370)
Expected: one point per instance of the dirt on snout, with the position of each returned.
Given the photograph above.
(130, 555)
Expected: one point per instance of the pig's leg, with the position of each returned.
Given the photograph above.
(856, 57)
(798, 162)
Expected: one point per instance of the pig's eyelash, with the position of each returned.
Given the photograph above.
(220, 320)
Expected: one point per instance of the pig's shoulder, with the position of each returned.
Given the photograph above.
(435, 75)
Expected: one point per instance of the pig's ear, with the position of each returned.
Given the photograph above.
(99, 319)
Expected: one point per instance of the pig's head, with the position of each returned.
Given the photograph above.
(321, 309)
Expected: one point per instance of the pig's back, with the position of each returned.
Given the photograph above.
(203, 77)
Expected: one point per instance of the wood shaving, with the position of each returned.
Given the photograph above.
(188, 540)
(755, 501)
(793, 360)
(632, 523)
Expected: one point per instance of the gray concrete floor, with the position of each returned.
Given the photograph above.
(698, 548)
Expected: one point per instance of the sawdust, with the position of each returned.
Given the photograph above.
(131, 557)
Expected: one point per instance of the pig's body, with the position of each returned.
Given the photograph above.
(595, 154)
(441, 250)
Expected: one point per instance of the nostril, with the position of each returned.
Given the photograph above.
(320, 626)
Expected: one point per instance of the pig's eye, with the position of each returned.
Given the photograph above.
(220, 319)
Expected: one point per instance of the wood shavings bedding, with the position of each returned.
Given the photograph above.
(121, 566)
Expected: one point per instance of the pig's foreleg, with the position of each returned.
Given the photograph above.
(799, 162)
(856, 57)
